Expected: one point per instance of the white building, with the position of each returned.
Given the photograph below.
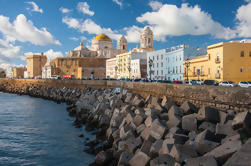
(9, 72)
(167, 64)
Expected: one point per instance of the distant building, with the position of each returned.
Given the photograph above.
(131, 64)
(35, 64)
(111, 68)
(168, 63)
(226, 61)
(18, 72)
(9, 72)
(2, 73)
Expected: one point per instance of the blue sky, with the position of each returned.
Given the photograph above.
(57, 26)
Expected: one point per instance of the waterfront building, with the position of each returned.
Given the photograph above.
(18, 72)
(9, 72)
(167, 64)
(111, 68)
(139, 68)
(2, 73)
(35, 64)
(225, 61)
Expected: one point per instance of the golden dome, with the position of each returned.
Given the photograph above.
(102, 37)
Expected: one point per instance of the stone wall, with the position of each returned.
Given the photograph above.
(226, 98)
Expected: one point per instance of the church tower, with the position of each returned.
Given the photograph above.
(122, 44)
(146, 39)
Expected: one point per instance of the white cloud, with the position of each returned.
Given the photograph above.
(8, 51)
(155, 5)
(186, 20)
(35, 7)
(90, 27)
(51, 54)
(64, 10)
(118, 2)
(243, 17)
(83, 7)
(133, 34)
(74, 38)
(23, 30)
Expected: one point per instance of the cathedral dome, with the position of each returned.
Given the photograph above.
(147, 31)
(102, 37)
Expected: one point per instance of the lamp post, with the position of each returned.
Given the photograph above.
(187, 64)
(116, 70)
(129, 69)
(150, 63)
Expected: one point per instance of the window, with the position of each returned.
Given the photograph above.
(176, 69)
(153, 57)
(194, 69)
(242, 69)
(208, 70)
(202, 69)
(218, 57)
(180, 69)
(218, 69)
(250, 54)
(157, 65)
(157, 72)
(161, 56)
(157, 57)
(161, 64)
(242, 53)
(161, 72)
(168, 59)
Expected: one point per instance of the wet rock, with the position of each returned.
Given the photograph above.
(103, 157)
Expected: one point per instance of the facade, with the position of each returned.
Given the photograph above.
(2, 73)
(80, 67)
(102, 47)
(18, 72)
(227, 61)
(111, 69)
(139, 68)
(9, 72)
(35, 64)
(168, 63)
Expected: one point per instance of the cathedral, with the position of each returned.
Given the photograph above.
(102, 47)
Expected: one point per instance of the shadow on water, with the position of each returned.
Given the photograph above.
(39, 132)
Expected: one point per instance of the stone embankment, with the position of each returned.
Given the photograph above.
(152, 131)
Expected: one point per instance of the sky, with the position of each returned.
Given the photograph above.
(57, 26)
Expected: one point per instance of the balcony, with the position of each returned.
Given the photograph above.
(217, 60)
(217, 75)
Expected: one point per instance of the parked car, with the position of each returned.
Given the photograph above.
(249, 84)
(227, 83)
(187, 82)
(243, 84)
(38, 77)
(211, 82)
(176, 82)
(55, 77)
(196, 82)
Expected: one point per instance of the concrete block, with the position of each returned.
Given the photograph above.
(157, 129)
(155, 148)
(124, 159)
(201, 161)
(223, 129)
(207, 126)
(138, 120)
(242, 119)
(163, 160)
(209, 114)
(189, 122)
(146, 146)
(166, 147)
(140, 128)
(188, 108)
(139, 159)
(183, 152)
(138, 101)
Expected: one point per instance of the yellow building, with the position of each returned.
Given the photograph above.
(228, 61)
(124, 65)
(18, 72)
(35, 64)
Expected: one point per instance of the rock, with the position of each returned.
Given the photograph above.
(155, 148)
(157, 130)
(176, 138)
(189, 122)
(163, 160)
(166, 147)
(149, 120)
(129, 145)
(242, 119)
(223, 117)
(103, 157)
(145, 133)
(183, 152)
(164, 116)
(175, 111)
(223, 129)
(231, 138)
(173, 122)
(188, 107)
(151, 112)
(164, 101)
(139, 159)
(140, 128)
(138, 101)
(208, 126)
(138, 120)
(201, 161)
(168, 104)
(209, 114)
(129, 97)
(124, 159)
(126, 132)
(242, 157)
(224, 151)
(146, 146)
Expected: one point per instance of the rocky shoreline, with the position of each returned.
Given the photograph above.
(153, 131)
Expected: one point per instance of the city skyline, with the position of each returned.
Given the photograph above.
(28, 27)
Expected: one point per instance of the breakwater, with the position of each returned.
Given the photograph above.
(151, 130)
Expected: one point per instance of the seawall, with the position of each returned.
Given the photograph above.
(233, 98)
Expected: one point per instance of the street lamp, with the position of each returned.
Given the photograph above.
(187, 64)
(129, 69)
(116, 70)
(150, 66)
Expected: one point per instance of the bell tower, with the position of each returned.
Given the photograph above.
(122, 44)
(146, 39)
